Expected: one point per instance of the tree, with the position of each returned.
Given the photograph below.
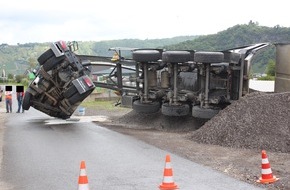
(32, 62)
(19, 78)
(10, 76)
(271, 68)
(270, 71)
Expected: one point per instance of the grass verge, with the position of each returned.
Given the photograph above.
(102, 104)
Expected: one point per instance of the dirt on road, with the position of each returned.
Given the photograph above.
(231, 142)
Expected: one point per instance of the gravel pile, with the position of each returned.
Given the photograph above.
(159, 121)
(256, 121)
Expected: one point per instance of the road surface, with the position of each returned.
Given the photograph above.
(40, 152)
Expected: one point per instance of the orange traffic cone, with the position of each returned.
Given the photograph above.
(83, 178)
(267, 176)
(168, 183)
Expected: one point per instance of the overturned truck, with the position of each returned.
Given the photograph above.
(179, 83)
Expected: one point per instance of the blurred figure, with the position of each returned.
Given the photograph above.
(1, 92)
(8, 100)
(20, 96)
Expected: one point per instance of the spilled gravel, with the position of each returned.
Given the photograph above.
(159, 121)
(257, 121)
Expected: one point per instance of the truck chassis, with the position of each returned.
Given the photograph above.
(177, 83)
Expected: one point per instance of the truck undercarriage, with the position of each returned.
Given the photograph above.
(179, 83)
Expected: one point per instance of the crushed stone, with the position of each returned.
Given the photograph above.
(159, 121)
(256, 121)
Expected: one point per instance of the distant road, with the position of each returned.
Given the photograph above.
(262, 85)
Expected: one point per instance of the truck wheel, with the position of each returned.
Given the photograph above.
(70, 91)
(203, 113)
(151, 107)
(146, 55)
(79, 97)
(63, 115)
(175, 56)
(45, 56)
(52, 62)
(208, 57)
(232, 57)
(175, 110)
(26, 101)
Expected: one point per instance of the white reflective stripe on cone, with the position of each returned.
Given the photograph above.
(266, 171)
(83, 187)
(265, 161)
(167, 179)
(83, 172)
(167, 165)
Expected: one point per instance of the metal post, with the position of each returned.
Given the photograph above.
(175, 70)
(119, 76)
(137, 77)
(241, 76)
(145, 66)
(206, 85)
(246, 78)
(119, 72)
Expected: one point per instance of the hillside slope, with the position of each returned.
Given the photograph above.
(18, 58)
(15, 59)
(240, 35)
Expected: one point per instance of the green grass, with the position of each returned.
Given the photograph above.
(102, 104)
(267, 78)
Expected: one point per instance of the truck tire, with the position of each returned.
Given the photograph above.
(192, 52)
(175, 110)
(79, 97)
(208, 57)
(26, 101)
(70, 91)
(151, 107)
(232, 57)
(176, 56)
(146, 55)
(45, 56)
(62, 115)
(52, 62)
(203, 113)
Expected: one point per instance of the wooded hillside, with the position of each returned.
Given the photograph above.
(15, 59)
(240, 35)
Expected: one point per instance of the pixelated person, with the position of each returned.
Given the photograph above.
(20, 96)
(8, 100)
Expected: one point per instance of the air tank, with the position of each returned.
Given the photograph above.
(152, 78)
(164, 79)
(282, 79)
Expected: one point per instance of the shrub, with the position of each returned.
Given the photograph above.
(25, 82)
(268, 77)
(19, 78)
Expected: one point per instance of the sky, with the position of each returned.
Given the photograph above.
(30, 21)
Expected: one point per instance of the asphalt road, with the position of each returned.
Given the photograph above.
(44, 153)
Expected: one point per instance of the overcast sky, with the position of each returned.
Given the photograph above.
(24, 21)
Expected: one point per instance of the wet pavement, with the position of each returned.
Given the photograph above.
(41, 152)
